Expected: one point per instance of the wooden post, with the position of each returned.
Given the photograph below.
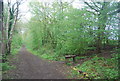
(66, 59)
(74, 60)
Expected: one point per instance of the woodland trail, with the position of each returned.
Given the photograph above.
(29, 66)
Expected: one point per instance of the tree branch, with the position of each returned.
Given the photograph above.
(91, 6)
(95, 4)
(91, 12)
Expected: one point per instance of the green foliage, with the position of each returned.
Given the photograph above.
(58, 29)
(58, 34)
(47, 54)
(53, 32)
(16, 43)
(69, 64)
(5, 66)
(100, 68)
(79, 57)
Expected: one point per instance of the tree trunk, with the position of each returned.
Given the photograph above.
(9, 45)
(11, 34)
(1, 24)
(11, 25)
(98, 45)
(7, 27)
(119, 31)
(119, 25)
(2, 33)
(99, 38)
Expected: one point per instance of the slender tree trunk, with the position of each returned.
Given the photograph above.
(119, 31)
(2, 33)
(7, 27)
(1, 24)
(99, 38)
(99, 42)
(11, 34)
(119, 25)
(107, 38)
(12, 26)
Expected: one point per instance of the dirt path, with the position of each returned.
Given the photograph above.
(29, 66)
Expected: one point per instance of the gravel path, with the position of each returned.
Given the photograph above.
(29, 66)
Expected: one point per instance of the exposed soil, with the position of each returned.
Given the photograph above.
(29, 66)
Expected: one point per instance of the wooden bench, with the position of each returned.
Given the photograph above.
(70, 56)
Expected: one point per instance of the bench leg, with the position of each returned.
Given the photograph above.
(66, 61)
(74, 59)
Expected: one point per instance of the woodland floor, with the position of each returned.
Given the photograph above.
(107, 53)
(29, 66)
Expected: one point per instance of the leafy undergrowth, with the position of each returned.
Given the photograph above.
(15, 47)
(5, 66)
(49, 54)
(15, 51)
(97, 68)
(52, 57)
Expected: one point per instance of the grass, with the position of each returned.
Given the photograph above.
(98, 68)
(49, 55)
(6, 66)
(15, 51)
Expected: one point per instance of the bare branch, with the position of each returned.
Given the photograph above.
(91, 12)
(95, 4)
(91, 6)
